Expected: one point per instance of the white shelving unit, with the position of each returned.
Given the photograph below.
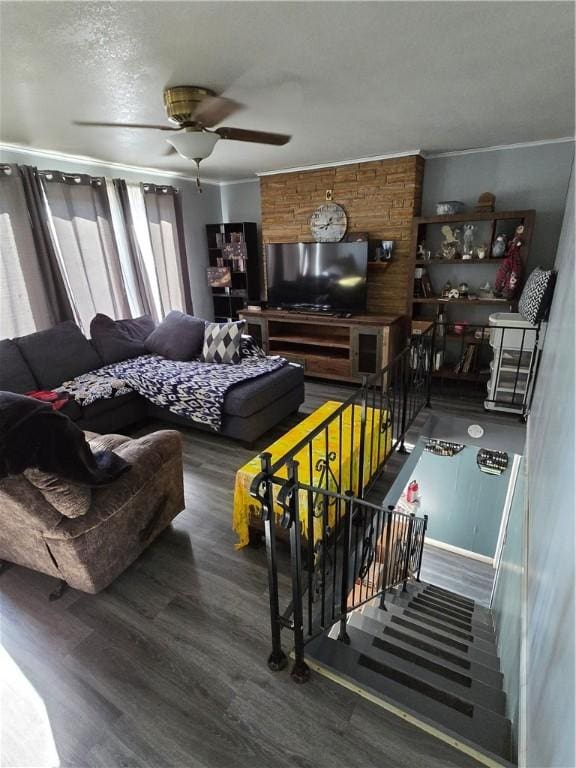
(514, 343)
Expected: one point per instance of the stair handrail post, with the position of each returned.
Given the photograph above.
(404, 370)
(408, 551)
(389, 513)
(363, 407)
(300, 671)
(277, 659)
(420, 555)
(347, 543)
(429, 364)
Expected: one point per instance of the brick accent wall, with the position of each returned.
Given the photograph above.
(380, 197)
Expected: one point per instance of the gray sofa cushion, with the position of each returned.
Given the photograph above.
(15, 375)
(58, 354)
(178, 337)
(117, 340)
(252, 396)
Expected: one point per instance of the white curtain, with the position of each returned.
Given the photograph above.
(81, 218)
(122, 241)
(24, 303)
(164, 237)
(147, 261)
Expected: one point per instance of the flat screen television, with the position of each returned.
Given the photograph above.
(327, 277)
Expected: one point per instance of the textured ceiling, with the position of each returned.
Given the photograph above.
(347, 79)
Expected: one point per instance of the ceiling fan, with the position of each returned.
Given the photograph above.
(194, 110)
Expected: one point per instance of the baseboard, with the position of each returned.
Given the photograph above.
(460, 551)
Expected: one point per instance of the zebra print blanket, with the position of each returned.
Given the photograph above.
(195, 390)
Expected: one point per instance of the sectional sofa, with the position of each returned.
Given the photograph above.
(46, 359)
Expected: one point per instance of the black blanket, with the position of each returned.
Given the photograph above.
(33, 435)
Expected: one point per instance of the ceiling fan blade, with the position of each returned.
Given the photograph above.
(129, 125)
(258, 137)
(214, 109)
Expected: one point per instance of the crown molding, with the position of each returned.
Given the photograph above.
(50, 154)
(498, 147)
(251, 180)
(337, 163)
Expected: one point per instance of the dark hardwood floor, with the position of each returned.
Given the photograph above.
(167, 667)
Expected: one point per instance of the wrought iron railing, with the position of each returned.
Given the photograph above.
(344, 550)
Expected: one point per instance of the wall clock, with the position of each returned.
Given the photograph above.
(328, 223)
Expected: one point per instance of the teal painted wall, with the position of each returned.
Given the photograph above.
(463, 504)
(507, 601)
(551, 598)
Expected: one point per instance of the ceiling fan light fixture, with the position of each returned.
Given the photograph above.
(194, 145)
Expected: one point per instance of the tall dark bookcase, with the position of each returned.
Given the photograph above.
(235, 246)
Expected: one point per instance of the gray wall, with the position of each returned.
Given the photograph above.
(550, 640)
(241, 201)
(198, 210)
(526, 177)
(507, 602)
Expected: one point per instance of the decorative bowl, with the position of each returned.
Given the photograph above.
(449, 207)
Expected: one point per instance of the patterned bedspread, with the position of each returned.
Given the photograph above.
(192, 389)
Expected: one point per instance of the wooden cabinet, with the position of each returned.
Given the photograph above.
(337, 348)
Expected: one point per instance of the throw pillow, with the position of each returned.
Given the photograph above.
(68, 499)
(222, 342)
(58, 354)
(15, 376)
(537, 295)
(178, 337)
(117, 340)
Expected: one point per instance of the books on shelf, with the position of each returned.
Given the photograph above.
(467, 362)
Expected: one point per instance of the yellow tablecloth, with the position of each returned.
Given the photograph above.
(343, 468)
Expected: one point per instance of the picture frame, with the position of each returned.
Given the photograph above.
(219, 277)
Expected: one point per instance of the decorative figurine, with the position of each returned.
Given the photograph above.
(485, 290)
(454, 294)
(481, 252)
(387, 248)
(446, 290)
(509, 272)
(499, 247)
(469, 230)
(463, 289)
(451, 244)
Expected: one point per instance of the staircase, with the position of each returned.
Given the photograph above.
(430, 657)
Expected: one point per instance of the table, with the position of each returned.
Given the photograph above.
(339, 443)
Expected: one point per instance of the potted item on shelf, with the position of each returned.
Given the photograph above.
(449, 207)
(499, 247)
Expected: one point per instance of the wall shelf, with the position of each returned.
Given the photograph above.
(471, 302)
(245, 287)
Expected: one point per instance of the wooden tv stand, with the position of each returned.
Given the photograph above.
(328, 347)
